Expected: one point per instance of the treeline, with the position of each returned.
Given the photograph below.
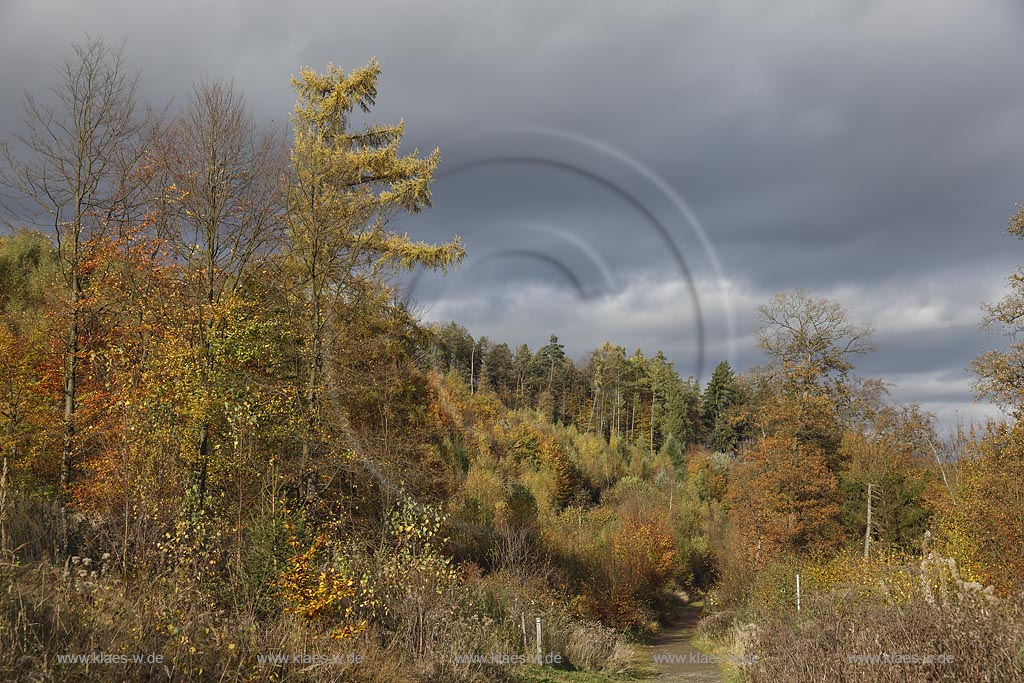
(803, 425)
(643, 401)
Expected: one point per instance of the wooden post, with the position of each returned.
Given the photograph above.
(798, 592)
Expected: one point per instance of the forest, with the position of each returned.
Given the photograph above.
(231, 450)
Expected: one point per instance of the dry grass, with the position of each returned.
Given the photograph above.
(837, 641)
(48, 611)
(895, 618)
(85, 608)
(583, 644)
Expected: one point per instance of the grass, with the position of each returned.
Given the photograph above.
(730, 672)
(536, 674)
(637, 667)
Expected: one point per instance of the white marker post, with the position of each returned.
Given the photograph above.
(798, 592)
(540, 657)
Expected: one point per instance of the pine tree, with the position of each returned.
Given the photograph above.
(548, 370)
(498, 363)
(718, 397)
(521, 365)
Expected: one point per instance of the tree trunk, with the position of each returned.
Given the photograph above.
(70, 395)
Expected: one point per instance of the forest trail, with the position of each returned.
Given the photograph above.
(676, 657)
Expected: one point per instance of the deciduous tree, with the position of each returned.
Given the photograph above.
(812, 339)
(1000, 372)
(74, 174)
(218, 178)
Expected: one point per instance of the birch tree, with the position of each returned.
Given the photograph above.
(72, 171)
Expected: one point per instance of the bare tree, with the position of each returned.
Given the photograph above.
(73, 174)
(220, 198)
(812, 338)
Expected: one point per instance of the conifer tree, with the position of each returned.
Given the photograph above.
(718, 397)
(346, 189)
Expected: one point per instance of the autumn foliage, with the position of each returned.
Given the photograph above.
(221, 428)
(784, 499)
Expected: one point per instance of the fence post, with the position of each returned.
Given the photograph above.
(540, 658)
(798, 592)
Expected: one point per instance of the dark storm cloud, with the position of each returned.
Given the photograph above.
(865, 150)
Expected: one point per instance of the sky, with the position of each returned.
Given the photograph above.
(650, 173)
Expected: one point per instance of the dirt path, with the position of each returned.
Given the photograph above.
(675, 656)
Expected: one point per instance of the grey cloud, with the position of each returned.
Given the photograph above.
(866, 149)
